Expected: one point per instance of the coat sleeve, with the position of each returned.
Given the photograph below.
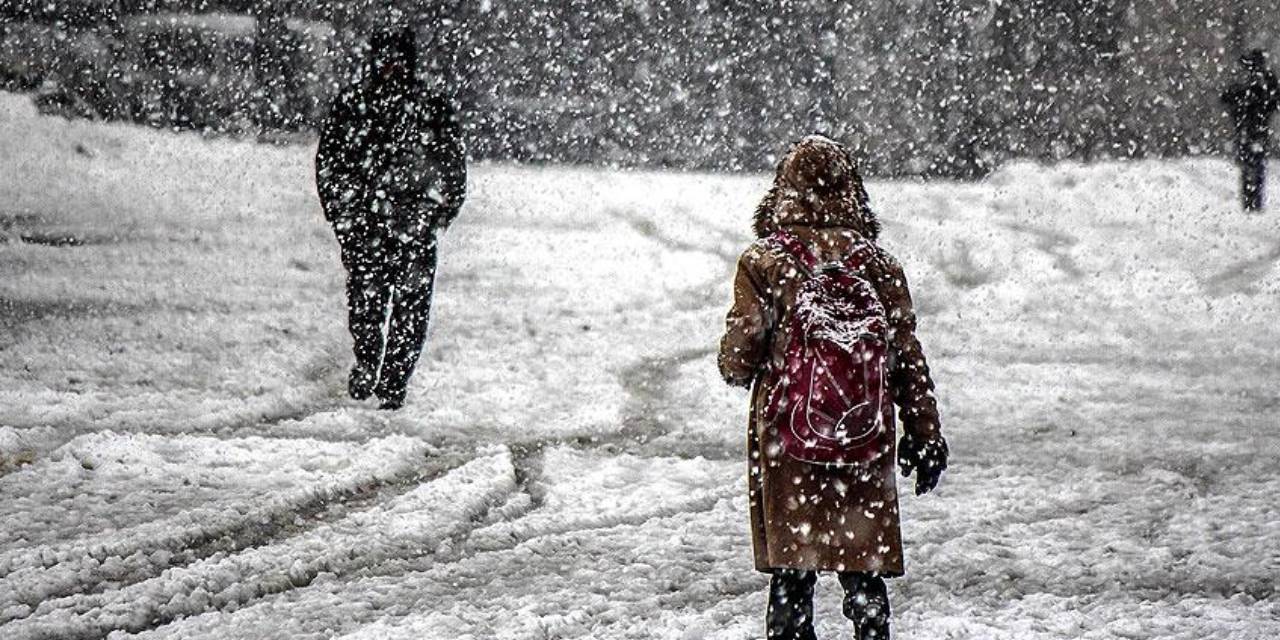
(434, 165)
(909, 377)
(455, 159)
(744, 349)
(333, 159)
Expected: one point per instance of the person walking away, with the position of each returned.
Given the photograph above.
(1251, 102)
(391, 174)
(823, 332)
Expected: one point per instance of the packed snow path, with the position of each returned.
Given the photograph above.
(178, 459)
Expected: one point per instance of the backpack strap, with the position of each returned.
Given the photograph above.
(863, 251)
(793, 247)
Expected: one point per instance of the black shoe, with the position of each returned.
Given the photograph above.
(392, 398)
(361, 383)
(392, 404)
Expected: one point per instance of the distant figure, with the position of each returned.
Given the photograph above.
(391, 172)
(822, 330)
(1251, 103)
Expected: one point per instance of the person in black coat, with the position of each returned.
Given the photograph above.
(1251, 103)
(391, 173)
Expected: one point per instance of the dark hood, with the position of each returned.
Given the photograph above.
(816, 184)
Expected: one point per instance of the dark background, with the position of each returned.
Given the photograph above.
(924, 87)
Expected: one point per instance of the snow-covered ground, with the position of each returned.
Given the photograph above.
(177, 457)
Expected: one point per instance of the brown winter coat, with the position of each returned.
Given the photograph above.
(805, 516)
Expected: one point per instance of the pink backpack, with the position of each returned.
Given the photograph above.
(831, 405)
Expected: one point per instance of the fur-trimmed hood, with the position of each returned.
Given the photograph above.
(817, 183)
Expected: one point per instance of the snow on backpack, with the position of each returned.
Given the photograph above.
(830, 405)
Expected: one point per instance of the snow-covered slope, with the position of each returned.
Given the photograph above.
(177, 458)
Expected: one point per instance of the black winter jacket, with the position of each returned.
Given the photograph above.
(392, 149)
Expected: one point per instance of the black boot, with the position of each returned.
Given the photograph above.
(362, 381)
(790, 614)
(392, 400)
(866, 603)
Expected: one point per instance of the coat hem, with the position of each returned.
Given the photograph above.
(769, 570)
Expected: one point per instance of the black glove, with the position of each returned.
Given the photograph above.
(928, 459)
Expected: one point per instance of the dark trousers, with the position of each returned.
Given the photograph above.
(1253, 178)
(390, 279)
(790, 615)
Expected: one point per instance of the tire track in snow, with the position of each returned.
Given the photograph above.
(1242, 275)
(17, 315)
(959, 268)
(413, 524)
(25, 445)
(649, 229)
(497, 538)
(117, 567)
(647, 413)
(31, 576)
(281, 526)
(648, 382)
(528, 460)
(648, 386)
(505, 538)
(381, 588)
(1052, 242)
(28, 576)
